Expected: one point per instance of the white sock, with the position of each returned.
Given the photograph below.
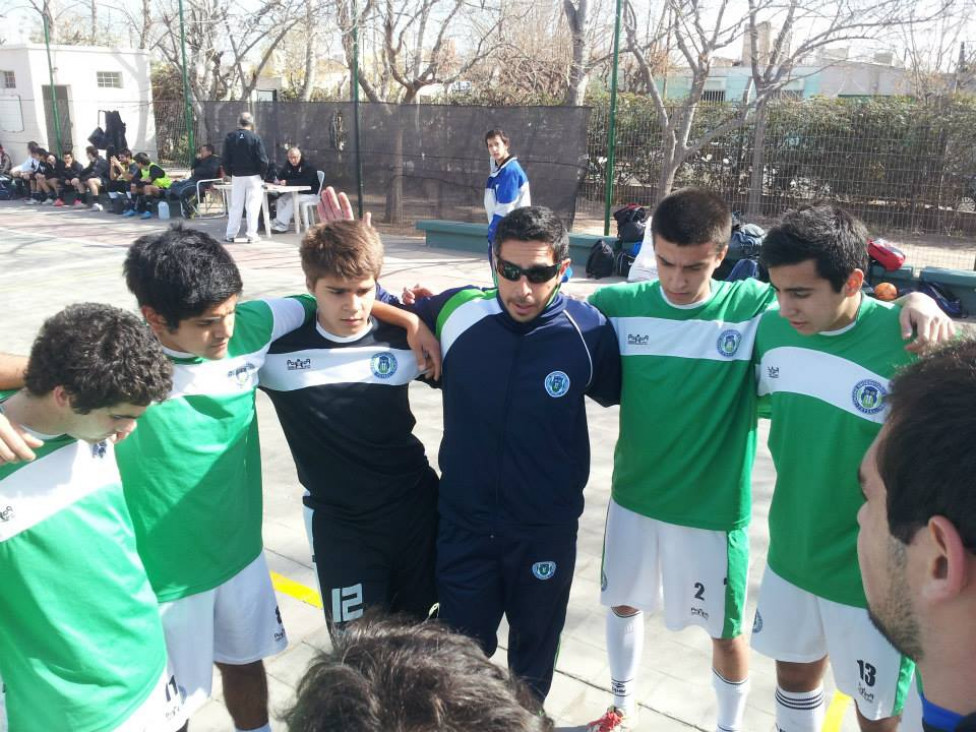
(265, 728)
(625, 643)
(731, 697)
(800, 711)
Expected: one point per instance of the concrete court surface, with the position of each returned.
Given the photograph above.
(52, 257)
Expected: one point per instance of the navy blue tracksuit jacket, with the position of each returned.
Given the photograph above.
(514, 460)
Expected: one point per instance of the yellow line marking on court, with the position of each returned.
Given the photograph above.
(835, 712)
(298, 591)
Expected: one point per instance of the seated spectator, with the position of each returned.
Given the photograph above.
(21, 172)
(296, 172)
(150, 182)
(27, 174)
(92, 179)
(206, 166)
(121, 170)
(68, 175)
(49, 169)
(384, 675)
(5, 163)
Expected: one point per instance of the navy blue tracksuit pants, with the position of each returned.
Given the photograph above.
(524, 574)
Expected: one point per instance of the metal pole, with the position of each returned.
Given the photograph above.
(355, 108)
(187, 108)
(612, 129)
(54, 97)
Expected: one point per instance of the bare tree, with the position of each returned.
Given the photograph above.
(698, 32)
(418, 50)
(587, 20)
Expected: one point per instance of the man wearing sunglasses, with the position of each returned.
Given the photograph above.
(517, 361)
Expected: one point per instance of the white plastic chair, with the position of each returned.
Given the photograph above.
(305, 207)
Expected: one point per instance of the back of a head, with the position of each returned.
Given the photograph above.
(388, 676)
(180, 273)
(246, 120)
(141, 158)
(693, 216)
(823, 232)
(348, 250)
(926, 457)
(101, 356)
(533, 223)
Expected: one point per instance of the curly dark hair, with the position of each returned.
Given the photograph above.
(102, 356)
(384, 675)
(180, 273)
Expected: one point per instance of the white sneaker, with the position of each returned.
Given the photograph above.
(97, 207)
(613, 720)
(253, 239)
(279, 227)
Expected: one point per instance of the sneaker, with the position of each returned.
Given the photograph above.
(253, 239)
(58, 202)
(229, 239)
(97, 207)
(129, 212)
(47, 201)
(31, 202)
(146, 215)
(78, 202)
(613, 721)
(279, 228)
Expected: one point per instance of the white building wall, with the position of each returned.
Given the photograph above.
(77, 67)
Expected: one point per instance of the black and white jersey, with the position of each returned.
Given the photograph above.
(344, 407)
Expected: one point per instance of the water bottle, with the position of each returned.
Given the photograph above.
(163, 210)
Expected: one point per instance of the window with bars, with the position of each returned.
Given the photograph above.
(109, 79)
(9, 80)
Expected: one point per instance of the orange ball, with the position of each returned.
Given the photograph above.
(885, 291)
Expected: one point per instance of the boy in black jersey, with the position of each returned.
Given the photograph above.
(339, 385)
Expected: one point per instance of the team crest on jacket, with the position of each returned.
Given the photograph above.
(869, 396)
(383, 365)
(557, 384)
(544, 570)
(728, 342)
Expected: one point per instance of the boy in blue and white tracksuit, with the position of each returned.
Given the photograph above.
(508, 187)
(515, 456)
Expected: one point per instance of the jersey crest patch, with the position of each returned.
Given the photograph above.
(728, 342)
(869, 396)
(544, 570)
(383, 365)
(557, 384)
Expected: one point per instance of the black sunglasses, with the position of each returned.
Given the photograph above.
(536, 275)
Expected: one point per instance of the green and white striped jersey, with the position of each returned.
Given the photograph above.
(81, 643)
(688, 405)
(827, 396)
(192, 469)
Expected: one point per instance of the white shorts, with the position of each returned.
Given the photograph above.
(699, 576)
(163, 710)
(797, 626)
(236, 624)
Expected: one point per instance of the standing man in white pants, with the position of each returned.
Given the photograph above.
(246, 162)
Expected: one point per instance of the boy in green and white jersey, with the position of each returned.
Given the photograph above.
(824, 359)
(81, 644)
(680, 499)
(192, 474)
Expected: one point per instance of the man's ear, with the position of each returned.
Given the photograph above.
(563, 266)
(947, 561)
(722, 253)
(310, 285)
(61, 397)
(156, 321)
(854, 283)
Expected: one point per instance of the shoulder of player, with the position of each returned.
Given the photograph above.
(624, 298)
(586, 315)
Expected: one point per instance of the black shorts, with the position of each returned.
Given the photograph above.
(387, 564)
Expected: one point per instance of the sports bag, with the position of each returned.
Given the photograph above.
(600, 263)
